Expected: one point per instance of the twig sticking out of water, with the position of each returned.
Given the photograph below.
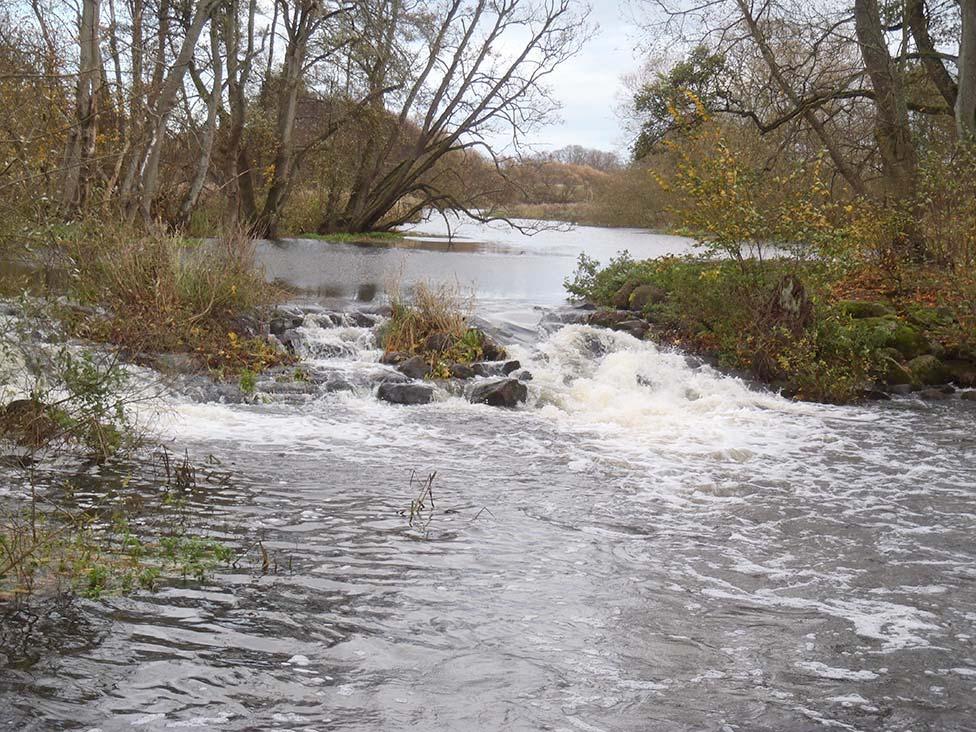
(419, 505)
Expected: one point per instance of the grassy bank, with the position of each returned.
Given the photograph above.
(369, 237)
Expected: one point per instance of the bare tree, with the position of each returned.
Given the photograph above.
(460, 93)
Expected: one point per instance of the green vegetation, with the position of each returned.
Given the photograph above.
(63, 404)
(796, 288)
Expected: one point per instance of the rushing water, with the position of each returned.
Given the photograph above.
(645, 545)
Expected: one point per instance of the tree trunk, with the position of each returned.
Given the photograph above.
(165, 103)
(81, 138)
(267, 223)
(892, 129)
(966, 99)
(206, 144)
(918, 23)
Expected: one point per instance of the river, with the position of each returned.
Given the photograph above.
(645, 545)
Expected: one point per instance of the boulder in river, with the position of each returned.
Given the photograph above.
(607, 318)
(510, 366)
(284, 319)
(415, 367)
(406, 393)
(490, 350)
(461, 371)
(637, 328)
(895, 373)
(291, 340)
(499, 393)
(392, 358)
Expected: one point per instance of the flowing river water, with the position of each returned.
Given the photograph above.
(645, 545)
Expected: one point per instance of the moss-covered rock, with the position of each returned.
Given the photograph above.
(926, 317)
(644, 296)
(895, 373)
(621, 298)
(928, 370)
(890, 332)
(860, 309)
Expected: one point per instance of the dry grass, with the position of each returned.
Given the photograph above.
(167, 293)
(429, 311)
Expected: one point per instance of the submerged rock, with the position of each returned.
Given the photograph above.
(338, 385)
(499, 393)
(409, 394)
(934, 394)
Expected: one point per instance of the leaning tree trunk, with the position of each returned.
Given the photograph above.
(213, 104)
(892, 127)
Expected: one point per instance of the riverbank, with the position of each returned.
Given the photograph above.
(798, 328)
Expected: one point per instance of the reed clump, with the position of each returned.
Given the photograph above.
(434, 323)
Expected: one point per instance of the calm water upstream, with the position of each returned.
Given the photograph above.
(646, 545)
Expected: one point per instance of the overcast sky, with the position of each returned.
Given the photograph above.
(589, 86)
